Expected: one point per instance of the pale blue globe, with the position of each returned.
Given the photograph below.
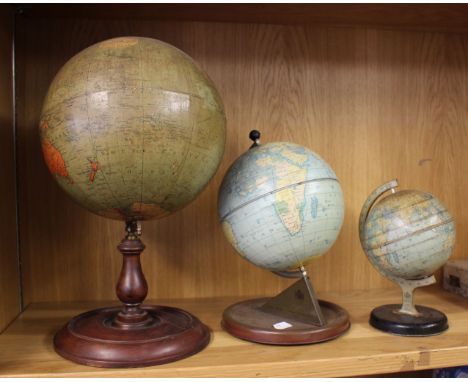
(280, 205)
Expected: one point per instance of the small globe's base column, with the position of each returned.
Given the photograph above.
(249, 321)
(169, 334)
(389, 319)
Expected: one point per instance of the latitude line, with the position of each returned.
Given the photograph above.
(223, 218)
(417, 232)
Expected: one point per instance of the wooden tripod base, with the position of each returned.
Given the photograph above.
(168, 334)
(249, 321)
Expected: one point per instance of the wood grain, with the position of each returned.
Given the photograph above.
(27, 350)
(450, 17)
(9, 279)
(376, 104)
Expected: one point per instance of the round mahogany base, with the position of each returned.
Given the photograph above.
(246, 320)
(429, 323)
(93, 338)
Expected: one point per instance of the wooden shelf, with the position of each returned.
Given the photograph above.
(374, 88)
(406, 16)
(26, 346)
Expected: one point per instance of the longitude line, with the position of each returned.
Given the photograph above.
(92, 137)
(142, 126)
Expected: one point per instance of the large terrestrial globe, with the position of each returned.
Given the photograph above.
(132, 128)
(408, 235)
(280, 205)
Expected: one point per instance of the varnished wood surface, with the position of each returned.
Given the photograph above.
(9, 281)
(408, 16)
(26, 347)
(376, 104)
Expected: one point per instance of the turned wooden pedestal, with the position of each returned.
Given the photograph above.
(132, 335)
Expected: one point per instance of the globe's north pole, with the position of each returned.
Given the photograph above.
(132, 129)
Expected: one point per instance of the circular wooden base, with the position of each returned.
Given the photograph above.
(429, 323)
(168, 335)
(246, 320)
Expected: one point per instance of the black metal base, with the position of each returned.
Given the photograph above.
(429, 323)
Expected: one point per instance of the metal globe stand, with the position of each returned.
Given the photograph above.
(409, 319)
(293, 317)
(406, 319)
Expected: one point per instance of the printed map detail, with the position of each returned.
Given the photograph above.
(409, 235)
(131, 128)
(281, 205)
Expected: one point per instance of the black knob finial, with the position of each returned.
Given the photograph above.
(255, 137)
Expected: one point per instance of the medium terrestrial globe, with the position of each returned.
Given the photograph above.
(132, 128)
(408, 235)
(280, 205)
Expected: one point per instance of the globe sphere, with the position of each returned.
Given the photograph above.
(408, 235)
(280, 205)
(132, 129)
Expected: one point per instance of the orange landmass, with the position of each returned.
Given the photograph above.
(43, 125)
(148, 211)
(113, 213)
(137, 211)
(94, 169)
(119, 42)
(54, 159)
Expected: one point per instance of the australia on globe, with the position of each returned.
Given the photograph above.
(280, 205)
(132, 128)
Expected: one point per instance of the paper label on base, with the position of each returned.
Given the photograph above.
(282, 325)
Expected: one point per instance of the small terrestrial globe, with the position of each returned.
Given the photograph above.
(408, 235)
(280, 205)
(132, 128)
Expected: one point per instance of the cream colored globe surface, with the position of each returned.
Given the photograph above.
(280, 205)
(132, 128)
(408, 234)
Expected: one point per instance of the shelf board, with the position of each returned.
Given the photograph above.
(26, 346)
(452, 17)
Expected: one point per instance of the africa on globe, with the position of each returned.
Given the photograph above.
(280, 205)
(132, 128)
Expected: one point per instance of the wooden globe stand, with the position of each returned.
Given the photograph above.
(293, 317)
(409, 319)
(132, 335)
